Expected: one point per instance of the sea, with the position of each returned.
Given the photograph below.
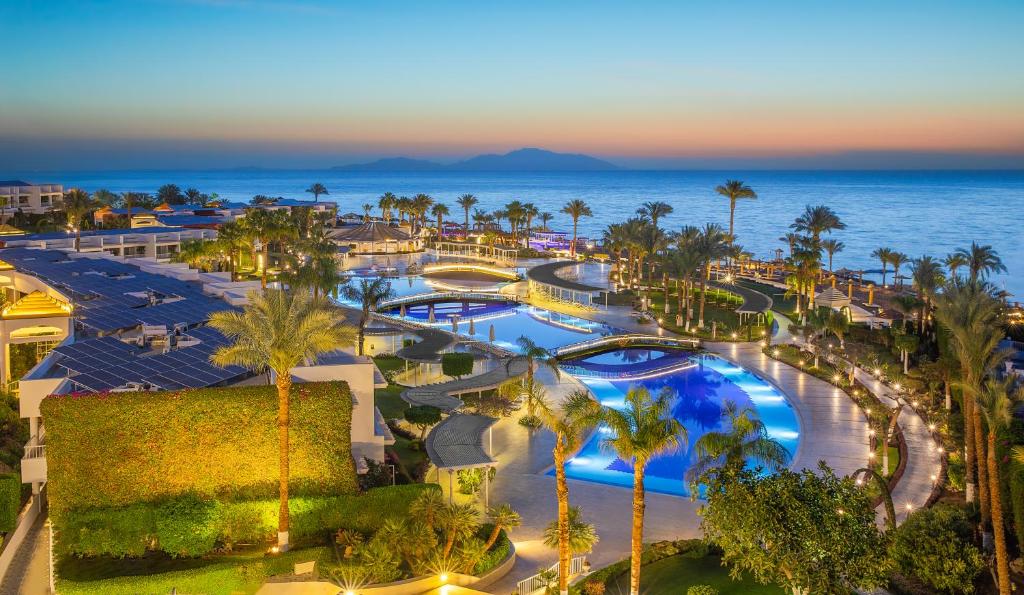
(915, 212)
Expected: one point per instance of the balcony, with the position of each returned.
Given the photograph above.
(33, 463)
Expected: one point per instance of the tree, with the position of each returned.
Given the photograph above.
(196, 253)
(713, 245)
(467, 202)
(418, 207)
(897, 260)
(884, 255)
(268, 226)
(981, 261)
(504, 518)
(576, 208)
(278, 330)
(367, 210)
(746, 439)
(928, 278)
(735, 190)
(954, 262)
(440, 211)
(427, 507)
(77, 204)
(387, 202)
(534, 354)
(809, 532)
(423, 417)
(194, 197)
(316, 190)
(997, 408)
(639, 432)
(817, 220)
(545, 219)
(935, 546)
(457, 364)
(654, 211)
(832, 247)
(582, 535)
(368, 293)
(457, 522)
(170, 194)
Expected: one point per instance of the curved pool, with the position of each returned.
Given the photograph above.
(700, 393)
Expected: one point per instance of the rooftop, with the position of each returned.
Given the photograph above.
(374, 231)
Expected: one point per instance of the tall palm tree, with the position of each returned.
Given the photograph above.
(832, 247)
(516, 215)
(928, 278)
(569, 425)
(530, 211)
(745, 439)
(954, 261)
(580, 536)
(735, 190)
(639, 432)
(403, 204)
(369, 293)
(77, 204)
(316, 190)
(654, 211)
(817, 220)
(194, 197)
(386, 203)
(534, 354)
(467, 202)
(503, 517)
(576, 208)
(981, 261)
(997, 407)
(195, 253)
(231, 237)
(268, 226)
(712, 246)
(367, 209)
(791, 240)
(685, 262)
(440, 211)
(279, 330)
(884, 255)
(545, 219)
(419, 206)
(897, 260)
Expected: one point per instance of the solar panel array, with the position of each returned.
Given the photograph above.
(110, 296)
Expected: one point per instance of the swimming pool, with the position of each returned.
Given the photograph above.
(700, 392)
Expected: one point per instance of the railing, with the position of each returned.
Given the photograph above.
(540, 582)
(35, 448)
(583, 371)
(629, 340)
(470, 267)
(434, 296)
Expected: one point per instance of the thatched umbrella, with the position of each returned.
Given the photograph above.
(491, 334)
(401, 311)
(472, 327)
(455, 324)
(430, 314)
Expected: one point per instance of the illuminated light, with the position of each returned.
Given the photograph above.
(942, 449)
(860, 481)
(931, 427)
(443, 577)
(802, 362)
(878, 372)
(871, 432)
(915, 403)
(733, 336)
(275, 550)
(934, 477)
(868, 411)
(871, 455)
(775, 352)
(840, 511)
(350, 592)
(835, 378)
(897, 386)
(909, 506)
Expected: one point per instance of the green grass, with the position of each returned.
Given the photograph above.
(389, 363)
(390, 402)
(408, 458)
(673, 575)
(894, 459)
(781, 303)
(721, 311)
(158, 574)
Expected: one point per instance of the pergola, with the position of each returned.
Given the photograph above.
(502, 256)
(457, 443)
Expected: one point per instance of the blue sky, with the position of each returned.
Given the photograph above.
(233, 82)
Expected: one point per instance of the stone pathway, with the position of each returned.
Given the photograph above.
(29, 573)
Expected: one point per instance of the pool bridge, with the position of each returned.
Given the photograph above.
(623, 342)
(435, 297)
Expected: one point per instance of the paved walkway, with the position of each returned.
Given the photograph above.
(29, 573)
(442, 394)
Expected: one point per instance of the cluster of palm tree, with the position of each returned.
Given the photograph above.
(806, 248)
(889, 257)
(412, 209)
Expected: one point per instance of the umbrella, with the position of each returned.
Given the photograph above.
(455, 324)
(472, 327)
(401, 311)
(491, 334)
(430, 314)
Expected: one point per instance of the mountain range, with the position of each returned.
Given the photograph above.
(527, 159)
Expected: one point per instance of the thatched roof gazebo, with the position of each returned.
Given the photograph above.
(375, 237)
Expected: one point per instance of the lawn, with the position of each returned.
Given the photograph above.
(719, 308)
(673, 575)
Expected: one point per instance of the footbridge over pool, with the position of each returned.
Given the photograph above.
(626, 341)
(434, 297)
(572, 358)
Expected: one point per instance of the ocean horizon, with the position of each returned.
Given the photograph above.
(918, 212)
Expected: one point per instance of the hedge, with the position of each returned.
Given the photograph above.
(10, 502)
(118, 449)
(457, 365)
(225, 577)
(189, 526)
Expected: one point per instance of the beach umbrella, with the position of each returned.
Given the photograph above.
(455, 324)
(491, 334)
(401, 311)
(472, 327)
(430, 314)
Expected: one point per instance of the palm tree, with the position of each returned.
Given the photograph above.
(545, 219)
(713, 245)
(884, 255)
(997, 407)
(418, 208)
(817, 220)
(791, 240)
(639, 432)
(581, 535)
(953, 262)
(440, 211)
(530, 211)
(427, 506)
(194, 197)
(897, 260)
(746, 439)
(685, 262)
(231, 237)
(534, 354)
(981, 261)
(386, 203)
(467, 202)
(193, 252)
(369, 293)
(279, 330)
(928, 278)
(576, 208)
(481, 218)
(503, 517)
(316, 190)
(268, 226)
(77, 204)
(367, 209)
(735, 190)
(569, 425)
(832, 247)
(457, 522)
(654, 211)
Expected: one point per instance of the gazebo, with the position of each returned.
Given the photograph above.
(375, 237)
(457, 443)
(831, 297)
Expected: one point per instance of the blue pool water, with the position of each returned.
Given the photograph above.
(700, 393)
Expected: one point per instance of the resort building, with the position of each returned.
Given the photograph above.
(99, 324)
(156, 242)
(376, 237)
(27, 197)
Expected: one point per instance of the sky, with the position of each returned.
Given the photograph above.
(306, 84)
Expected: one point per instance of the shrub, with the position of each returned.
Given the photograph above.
(187, 526)
(422, 416)
(10, 501)
(934, 545)
(457, 365)
(107, 450)
(1017, 501)
(702, 590)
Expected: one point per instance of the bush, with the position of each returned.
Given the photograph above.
(186, 525)
(10, 502)
(934, 546)
(422, 416)
(457, 365)
(496, 555)
(106, 450)
(702, 590)
(653, 552)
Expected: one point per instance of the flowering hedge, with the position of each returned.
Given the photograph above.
(120, 449)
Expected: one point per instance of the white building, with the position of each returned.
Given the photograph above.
(30, 198)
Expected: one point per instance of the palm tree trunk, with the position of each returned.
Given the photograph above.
(984, 497)
(998, 530)
(949, 395)
(572, 250)
(78, 239)
(284, 385)
(970, 486)
(703, 287)
(637, 536)
(562, 495)
(362, 332)
(493, 537)
(266, 263)
(732, 217)
(466, 230)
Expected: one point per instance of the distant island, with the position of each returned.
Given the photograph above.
(528, 159)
